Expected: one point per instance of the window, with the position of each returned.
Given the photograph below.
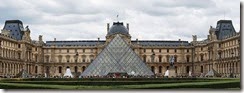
(68, 58)
(67, 50)
(60, 58)
(75, 50)
(144, 58)
(83, 68)
(47, 58)
(160, 69)
(201, 48)
(201, 57)
(152, 50)
(60, 69)
(144, 50)
(84, 51)
(36, 58)
(76, 69)
(167, 58)
(201, 69)
(159, 50)
(187, 50)
(175, 69)
(175, 58)
(187, 69)
(19, 46)
(160, 58)
(36, 68)
(152, 68)
(19, 55)
(167, 50)
(175, 50)
(187, 59)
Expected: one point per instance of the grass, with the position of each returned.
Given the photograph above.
(233, 84)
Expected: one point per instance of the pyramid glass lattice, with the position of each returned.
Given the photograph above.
(117, 57)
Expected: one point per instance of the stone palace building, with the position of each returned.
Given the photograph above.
(219, 52)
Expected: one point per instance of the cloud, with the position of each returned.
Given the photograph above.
(149, 19)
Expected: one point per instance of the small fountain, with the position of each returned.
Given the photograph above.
(166, 73)
(68, 73)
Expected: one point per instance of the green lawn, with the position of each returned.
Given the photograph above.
(233, 84)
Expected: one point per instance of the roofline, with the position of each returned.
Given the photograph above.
(13, 21)
(224, 21)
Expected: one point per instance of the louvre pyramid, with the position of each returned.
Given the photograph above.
(117, 57)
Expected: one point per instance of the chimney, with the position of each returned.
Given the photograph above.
(137, 41)
(54, 39)
(107, 27)
(179, 39)
(127, 25)
(40, 37)
(98, 39)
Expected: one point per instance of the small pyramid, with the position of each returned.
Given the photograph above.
(22, 74)
(117, 57)
(212, 73)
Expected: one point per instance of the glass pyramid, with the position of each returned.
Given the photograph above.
(117, 57)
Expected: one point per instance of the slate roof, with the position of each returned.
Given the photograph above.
(224, 29)
(161, 43)
(15, 27)
(118, 28)
(95, 42)
(74, 43)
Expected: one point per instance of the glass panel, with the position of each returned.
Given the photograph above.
(117, 57)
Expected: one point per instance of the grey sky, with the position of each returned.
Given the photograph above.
(148, 19)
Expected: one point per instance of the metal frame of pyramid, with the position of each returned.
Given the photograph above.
(117, 57)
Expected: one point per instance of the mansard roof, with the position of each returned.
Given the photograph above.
(95, 42)
(224, 29)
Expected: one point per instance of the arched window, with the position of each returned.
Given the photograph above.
(187, 69)
(201, 69)
(160, 58)
(167, 60)
(175, 69)
(152, 68)
(60, 69)
(201, 57)
(160, 69)
(187, 58)
(36, 68)
(76, 69)
(60, 58)
(83, 68)
(144, 58)
(47, 69)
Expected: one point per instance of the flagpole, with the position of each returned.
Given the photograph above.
(117, 18)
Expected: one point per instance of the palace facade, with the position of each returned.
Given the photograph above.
(220, 52)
